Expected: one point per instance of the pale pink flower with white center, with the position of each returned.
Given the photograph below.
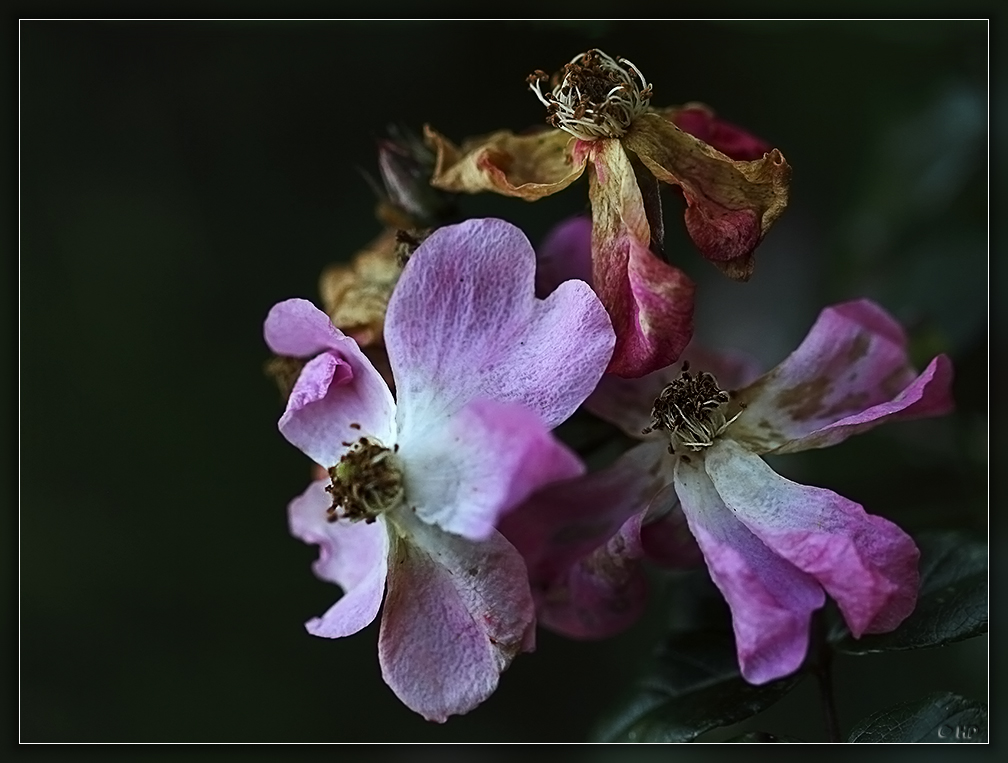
(483, 371)
(775, 548)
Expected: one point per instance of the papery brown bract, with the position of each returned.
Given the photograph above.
(355, 296)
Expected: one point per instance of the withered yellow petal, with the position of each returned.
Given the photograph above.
(526, 166)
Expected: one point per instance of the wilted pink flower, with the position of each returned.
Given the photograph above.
(773, 547)
(734, 185)
(483, 371)
(584, 539)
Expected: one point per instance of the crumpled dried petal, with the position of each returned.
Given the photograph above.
(731, 204)
(355, 296)
(700, 121)
(528, 166)
(650, 302)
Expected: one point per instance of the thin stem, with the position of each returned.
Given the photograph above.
(825, 680)
(823, 669)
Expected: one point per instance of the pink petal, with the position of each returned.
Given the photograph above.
(627, 403)
(336, 390)
(295, 327)
(850, 374)
(771, 601)
(866, 563)
(462, 474)
(464, 322)
(565, 253)
(334, 404)
(579, 541)
(353, 555)
(456, 614)
(650, 302)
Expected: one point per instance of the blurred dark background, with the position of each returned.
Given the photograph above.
(178, 178)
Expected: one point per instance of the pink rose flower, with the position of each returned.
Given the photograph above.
(483, 371)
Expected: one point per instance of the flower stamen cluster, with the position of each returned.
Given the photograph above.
(692, 409)
(366, 482)
(594, 96)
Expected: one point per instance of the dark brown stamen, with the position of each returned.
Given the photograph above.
(691, 410)
(365, 483)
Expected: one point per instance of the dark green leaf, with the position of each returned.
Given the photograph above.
(952, 604)
(938, 717)
(691, 686)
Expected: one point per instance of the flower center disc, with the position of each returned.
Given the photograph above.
(366, 482)
(692, 409)
(594, 96)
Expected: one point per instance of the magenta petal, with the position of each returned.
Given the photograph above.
(579, 539)
(866, 563)
(650, 302)
(930, 394)
(456, 614)
(627, 403)
(564, 254)
(470, 288)
(354, 556)
(850, 374)
(464, 473)
(771, 600)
